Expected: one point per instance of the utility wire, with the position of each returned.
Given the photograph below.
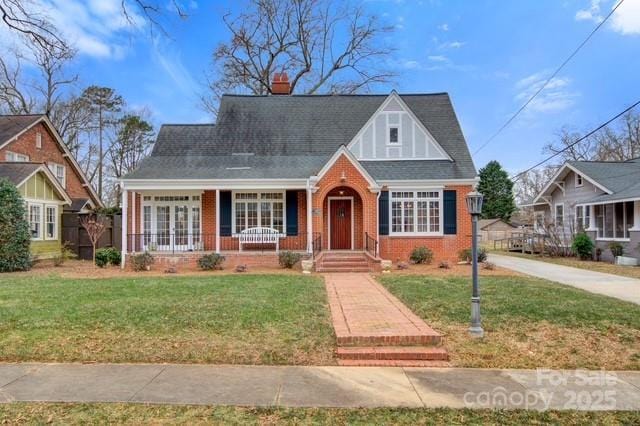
(572, 144)
(555, 73)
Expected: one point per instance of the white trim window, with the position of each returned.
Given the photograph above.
(258, 209)
(393, 129)
(14, 157)
(35, 221)
(579, 180)
(416, 212)
(39, 140)
(59, 171)
(614, 220)
(559, 215)
(51, 223)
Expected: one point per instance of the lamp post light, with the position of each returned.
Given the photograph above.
(474, 206)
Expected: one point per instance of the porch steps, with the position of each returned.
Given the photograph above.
(398, 353)
(343, 262)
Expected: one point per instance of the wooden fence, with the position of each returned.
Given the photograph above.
(78, 241)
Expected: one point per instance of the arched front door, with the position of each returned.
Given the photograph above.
(340, 223)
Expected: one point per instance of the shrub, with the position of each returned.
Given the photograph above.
(616, 249)
(15, 237)
(64, 255)
(209, 262)
(288, 259)
(582, 246)
(107, 256)
(465, 255)
(420, 255)
(142, 261)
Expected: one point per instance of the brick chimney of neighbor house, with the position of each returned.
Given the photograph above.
(280, 84)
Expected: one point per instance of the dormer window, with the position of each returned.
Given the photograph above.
(578, 180)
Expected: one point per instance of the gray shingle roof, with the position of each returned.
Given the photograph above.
(18, 172)
(294, 136)
(11, 125)
(620, 177)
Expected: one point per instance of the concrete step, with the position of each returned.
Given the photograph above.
(404, 340)
(391, 363)
(413, 353)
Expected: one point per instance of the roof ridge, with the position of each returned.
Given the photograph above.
(188, 124)
(22, 115)
(333, 95)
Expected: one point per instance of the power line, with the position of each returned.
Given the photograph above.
(572, 144)
(555, 73)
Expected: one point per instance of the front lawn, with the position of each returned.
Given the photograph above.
(136, 414)
(528, 322)
(238, 319)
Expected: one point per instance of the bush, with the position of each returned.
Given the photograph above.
(420, 255)
(209, 262)
(288, 259)
(582, 246)
(65, 254)
(15, 237)
(465, 255)
(107, 256)
(616, 249)
(142, 261)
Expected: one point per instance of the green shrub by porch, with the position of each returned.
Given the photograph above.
(15, 239)
(288, 259)
(421, 255)
(106, 256)
(582, 246)
(464, 255)
(616, 248)
(210, 262)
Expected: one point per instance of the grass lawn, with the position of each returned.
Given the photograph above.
(237, 319)
(166, 414)
(606, 267)
(528, 322)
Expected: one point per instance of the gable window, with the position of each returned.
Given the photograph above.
(14, 157)
(393, 135)
(35, 221)
(416, 212)
(579, 181)
(264, 209)
(59, 172)
(51, 222)
(614, 220)
(39, 140)
(559, 214)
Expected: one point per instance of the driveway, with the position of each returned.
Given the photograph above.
(622, 288)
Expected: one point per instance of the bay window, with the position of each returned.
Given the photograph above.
(264, 209)
(416, 212)
(614, 220)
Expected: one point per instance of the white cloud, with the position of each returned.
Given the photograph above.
(556, 96)
(443, 27)
(452, 45)
(171, 62)
(626, 19)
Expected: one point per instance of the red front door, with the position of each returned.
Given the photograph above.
(340, 222)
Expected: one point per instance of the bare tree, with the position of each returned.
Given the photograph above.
(530, 184)
(95, 226)
(325, 46)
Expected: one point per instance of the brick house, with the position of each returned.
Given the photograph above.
(367, 175)
(35, 159)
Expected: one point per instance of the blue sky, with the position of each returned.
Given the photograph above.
(489, 55)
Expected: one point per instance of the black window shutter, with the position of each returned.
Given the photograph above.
(450, 213)
(383, 212)
(292, 213)
(225, 213)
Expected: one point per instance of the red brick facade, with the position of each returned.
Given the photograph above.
(50, 152)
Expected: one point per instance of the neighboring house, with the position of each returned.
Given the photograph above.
(600, 197)
(36, 160)
(375, 173)
(495, 229)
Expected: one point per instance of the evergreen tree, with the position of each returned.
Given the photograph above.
(497, 188)
(14, 230)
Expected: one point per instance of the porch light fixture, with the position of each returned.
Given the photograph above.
(474, 206)
(343, 177)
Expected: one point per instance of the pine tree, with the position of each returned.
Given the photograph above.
(497, 188)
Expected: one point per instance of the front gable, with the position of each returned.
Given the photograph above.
(413, 142)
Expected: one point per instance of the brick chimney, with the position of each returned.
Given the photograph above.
(280, 84)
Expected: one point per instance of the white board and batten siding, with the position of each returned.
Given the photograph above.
(414, 140)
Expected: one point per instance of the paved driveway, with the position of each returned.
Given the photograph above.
(623, 288)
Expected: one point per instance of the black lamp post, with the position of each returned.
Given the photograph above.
(474, 206)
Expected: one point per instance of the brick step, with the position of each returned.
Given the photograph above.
(391, 363)
(343, 259)
(343, 269)
(398, 353)
(333, 263)
(404, 340)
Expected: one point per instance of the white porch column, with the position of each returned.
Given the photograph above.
(309, 219)
(636, 216)
(217, 221)
(125, 197)
(591, 226)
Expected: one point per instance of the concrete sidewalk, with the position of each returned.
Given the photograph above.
(320, 386)
(623, 288)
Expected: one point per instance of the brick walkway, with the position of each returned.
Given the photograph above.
(365, 314)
